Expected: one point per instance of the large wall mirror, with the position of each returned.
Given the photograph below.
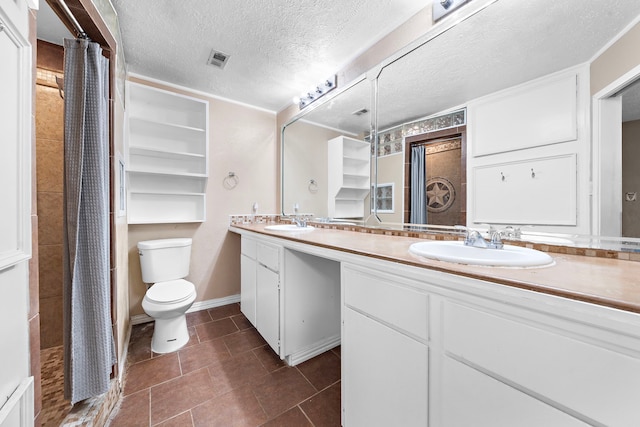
(423, 98)
(308, 163)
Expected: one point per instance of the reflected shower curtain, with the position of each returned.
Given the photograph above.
(88, 341)
(418, 186)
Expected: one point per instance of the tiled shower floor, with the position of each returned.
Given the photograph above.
(225, 376)
(54, 406)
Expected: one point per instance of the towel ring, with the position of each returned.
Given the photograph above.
(230, 181)
(313, 186)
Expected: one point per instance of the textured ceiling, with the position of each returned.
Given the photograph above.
(278, 49)
(506, 44)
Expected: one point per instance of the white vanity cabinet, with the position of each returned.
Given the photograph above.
(260, 288)
(427, 348)
(291, 297)
(384, 351)
(248, 270)
(268, 293)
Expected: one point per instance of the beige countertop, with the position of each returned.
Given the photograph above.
(603, 281)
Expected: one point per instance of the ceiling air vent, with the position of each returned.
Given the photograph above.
(217, 59)
(360, 112)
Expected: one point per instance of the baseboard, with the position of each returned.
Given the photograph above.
(312, 351)
(197, 306)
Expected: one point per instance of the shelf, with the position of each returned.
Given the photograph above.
(349, 176)
(165, 173)
(155, 152)
(168, 164)
(163, 124)
(167, 193)
(145, 208)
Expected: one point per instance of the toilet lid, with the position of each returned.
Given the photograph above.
(172, 291)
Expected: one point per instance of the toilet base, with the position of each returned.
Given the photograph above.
(169, 334)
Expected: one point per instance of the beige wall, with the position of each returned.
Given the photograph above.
(621, 57)
(241, 140)
(631, 178)
(306, 158)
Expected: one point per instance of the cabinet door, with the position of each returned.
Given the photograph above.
(268, 306)
(535, 192)
(384, 375)
(471, 398)
(248, 288)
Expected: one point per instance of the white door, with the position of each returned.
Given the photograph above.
(384, 375)
(268, 306)
(248, 288)
(16, 384)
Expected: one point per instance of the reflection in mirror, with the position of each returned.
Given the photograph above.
(630, 157)
(329, 182)
(489, 55)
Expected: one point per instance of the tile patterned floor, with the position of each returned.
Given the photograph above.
(225, 376)
(54, 406)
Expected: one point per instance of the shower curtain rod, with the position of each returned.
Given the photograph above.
(445, 139)
(81, 34)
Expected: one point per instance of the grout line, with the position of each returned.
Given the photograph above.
(305, 414)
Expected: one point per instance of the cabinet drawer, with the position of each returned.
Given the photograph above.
(531, 116)
(248, 247)
(269, 256)
(575, 374)
(384, 298)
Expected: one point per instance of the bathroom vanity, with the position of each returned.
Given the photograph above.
(434, 343)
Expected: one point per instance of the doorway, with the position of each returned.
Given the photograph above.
(445, 176)
(616, 150)
(52, 28)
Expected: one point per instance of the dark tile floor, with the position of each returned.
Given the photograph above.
(225, 376)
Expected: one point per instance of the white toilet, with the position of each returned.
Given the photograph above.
(165, 263)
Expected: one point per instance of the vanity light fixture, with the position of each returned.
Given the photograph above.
(318, 92)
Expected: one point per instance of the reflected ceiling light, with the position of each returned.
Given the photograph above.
(442, 8)
(317, 92)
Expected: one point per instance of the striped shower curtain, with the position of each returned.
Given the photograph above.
(88, 340)
(418, 213)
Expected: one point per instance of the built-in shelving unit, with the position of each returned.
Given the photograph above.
(168, 136)
(349, 178)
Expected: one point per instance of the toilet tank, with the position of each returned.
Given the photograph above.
(164, 259)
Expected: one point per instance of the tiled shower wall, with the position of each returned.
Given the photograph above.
(49, 171)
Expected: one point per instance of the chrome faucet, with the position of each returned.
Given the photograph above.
(299, 222)
(475, 239)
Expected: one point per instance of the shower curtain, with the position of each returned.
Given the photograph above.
(418, 184)
(88, 340)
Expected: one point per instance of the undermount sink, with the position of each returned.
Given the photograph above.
(458, 252)
(288, 227)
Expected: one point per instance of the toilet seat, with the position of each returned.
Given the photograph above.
(170, 292)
